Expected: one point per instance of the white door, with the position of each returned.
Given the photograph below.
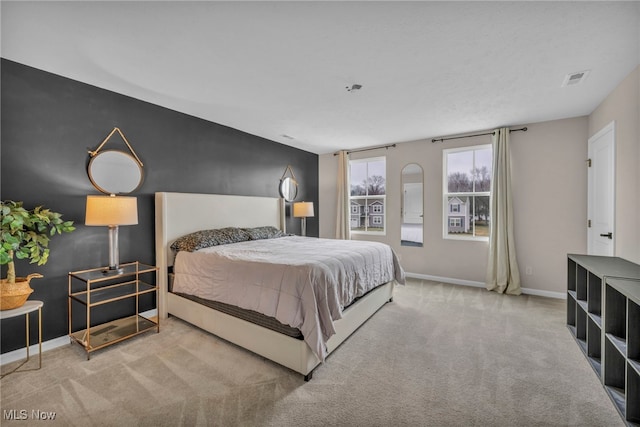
(601, 192)
(412, 203)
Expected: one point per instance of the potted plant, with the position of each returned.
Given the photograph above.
(25, 235)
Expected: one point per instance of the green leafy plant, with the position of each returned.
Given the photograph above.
(26, 233)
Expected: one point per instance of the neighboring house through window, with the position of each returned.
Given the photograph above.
(367, 178)
(466, 192)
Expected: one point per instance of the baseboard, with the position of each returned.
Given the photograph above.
(528, 291)
(21, 353)
(541, 293)
(446, 280)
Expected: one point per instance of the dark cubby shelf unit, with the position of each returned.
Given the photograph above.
(603, 315)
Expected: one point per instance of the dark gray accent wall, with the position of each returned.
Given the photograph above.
(50, 122)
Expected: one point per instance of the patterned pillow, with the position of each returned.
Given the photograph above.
(207, 238)
(266, 232)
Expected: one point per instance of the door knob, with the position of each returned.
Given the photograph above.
(609, 235)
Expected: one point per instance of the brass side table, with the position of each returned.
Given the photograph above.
(97, 286)
(28, 307)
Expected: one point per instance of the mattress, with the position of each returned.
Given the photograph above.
(411, 233)
(302, 282)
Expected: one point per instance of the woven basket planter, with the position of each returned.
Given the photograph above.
(14, 295)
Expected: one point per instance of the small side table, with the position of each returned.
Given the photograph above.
(28, 307)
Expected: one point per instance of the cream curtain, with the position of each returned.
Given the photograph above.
(342, 208)
(503, 275)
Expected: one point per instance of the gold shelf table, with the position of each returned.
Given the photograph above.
(102, 286)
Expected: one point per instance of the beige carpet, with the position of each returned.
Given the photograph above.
(439, 355)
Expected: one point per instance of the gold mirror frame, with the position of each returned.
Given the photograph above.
(288, 185)
(288, 189)
(115, 171)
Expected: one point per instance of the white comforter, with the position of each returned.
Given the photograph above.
(303, 282)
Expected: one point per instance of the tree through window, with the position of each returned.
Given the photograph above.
(467, 190)
(367, 179)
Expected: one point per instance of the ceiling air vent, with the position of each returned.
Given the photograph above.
(575, 78)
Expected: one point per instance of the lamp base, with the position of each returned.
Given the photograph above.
(114, 253)
(113, 271)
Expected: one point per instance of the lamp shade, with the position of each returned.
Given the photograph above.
(303, 209)
(111, 210)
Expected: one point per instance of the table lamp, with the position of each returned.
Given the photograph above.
(112, 211)
(303, 210)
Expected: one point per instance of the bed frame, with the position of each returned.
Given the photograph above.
(178, 214)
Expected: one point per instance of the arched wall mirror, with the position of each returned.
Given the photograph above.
(114, 171)
(411, 228)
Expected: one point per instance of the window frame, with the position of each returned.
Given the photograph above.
(471, 195)
(366, 211)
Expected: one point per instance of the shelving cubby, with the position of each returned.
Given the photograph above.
(584, 309)
(571, 295)
(622, 341)
(603, 316)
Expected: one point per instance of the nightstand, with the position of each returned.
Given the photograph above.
(98, 286)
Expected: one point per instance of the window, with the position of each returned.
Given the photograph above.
(467, 190)
(367, 179)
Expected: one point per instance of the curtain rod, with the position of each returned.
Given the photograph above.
(524, 129)
(367, 149)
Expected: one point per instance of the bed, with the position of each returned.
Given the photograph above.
(411, 234)
(178, 214)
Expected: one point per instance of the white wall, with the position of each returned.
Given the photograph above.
(550, 200)
(623, 107)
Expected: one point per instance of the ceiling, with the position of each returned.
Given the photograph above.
(427, 69)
